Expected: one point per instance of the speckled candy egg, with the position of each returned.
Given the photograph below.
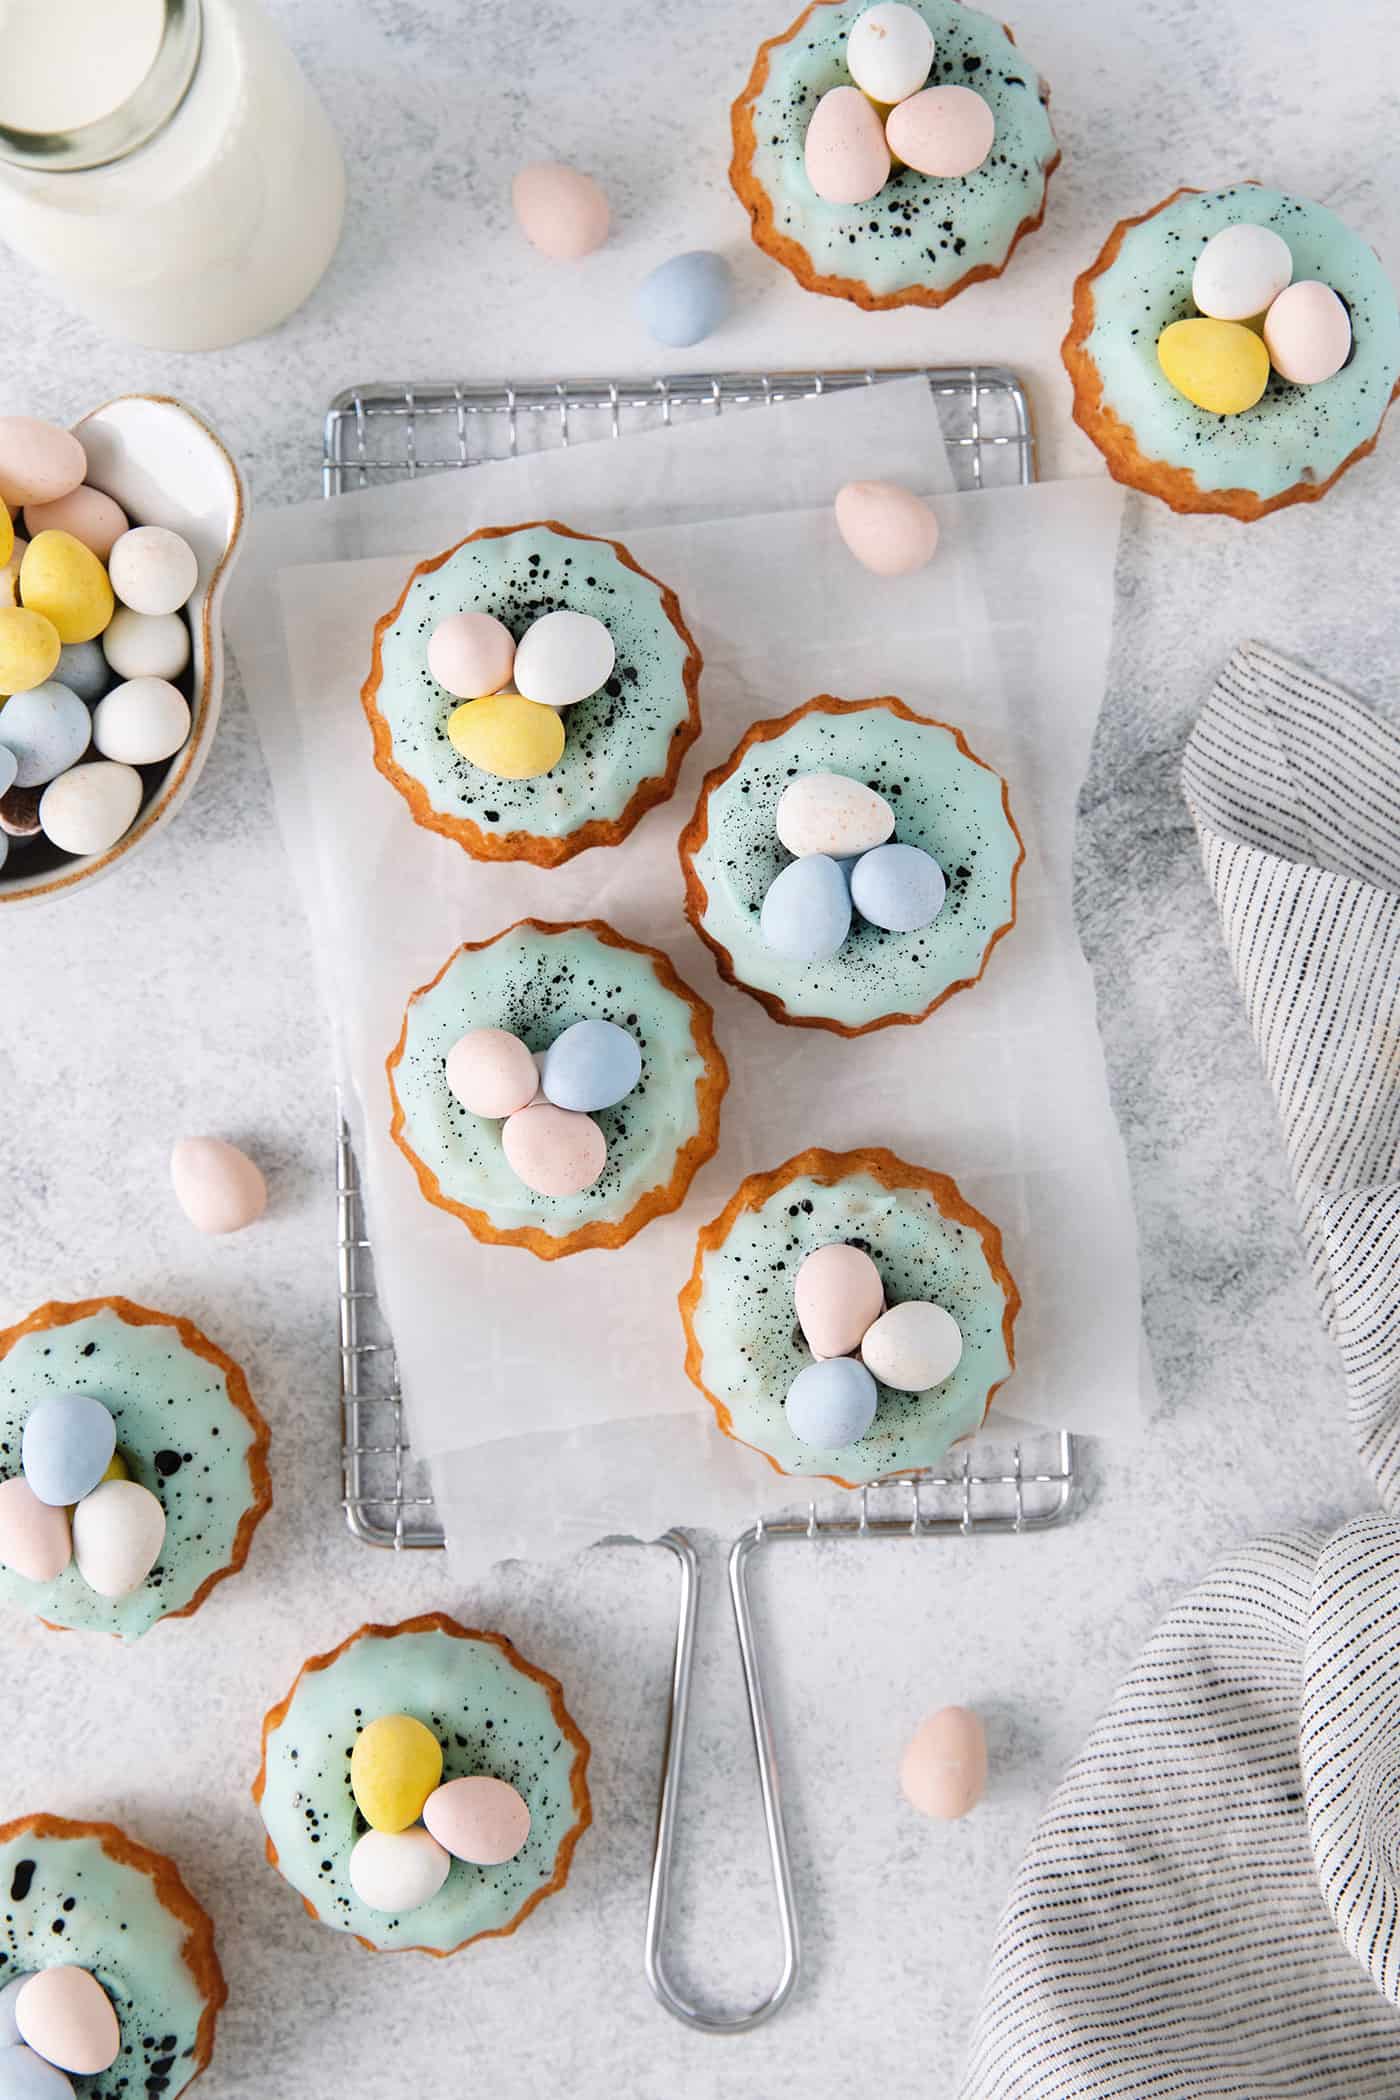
(491, 1072)
(898, 888)
(887, 528)
(67, 1441)
(146, 645)
(35, 1538)
(913, 1347)
(153, 570)
(831, 813)
(507, 736)
(684, 300)
(837, 1293)
(24, 2075)
(118, 1533)
(398, 1871)
(29, 649)
(806, 911)
(845, 153)
(832, 1403)
(216, 1185)
(396, 1763)
(1240, 272)
(64, 580)
(39, 462)
(1307, 331)
(592, 1065)
(481, 1820)
(560, 210)
(563, 658)
(889, 51)
(944, 131)
(141, 721)
(1220, 366)
(47, 729)
(84, 670)
(471, 654)
(554, 1151)
(943, 1772)
(88, 514)
(66, 2017)
(89, 808)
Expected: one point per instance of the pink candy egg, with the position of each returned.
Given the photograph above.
(555, 1151)
(67, 2018)
(944, 131)
(943, 1772)
(1307, 333)
(887, 528)
(479, 1819)
(35, 1539)
(838, 1294)
(560, 210)
(471, 654)
(846, 156)
(86, 513)
(39, 462)
(491, 1072)
(217, 1187)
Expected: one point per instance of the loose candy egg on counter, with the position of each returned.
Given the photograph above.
(507, 736)
(838, 1293)
(35, 1537)
(24, 2075)
(1240, 272)
(39, 462)
(398, 1871)
(1220, 366)
(913, 1347)
(141, 721)
(87, 809)
(943, 1772)
(943, 131)
(471, 654)
(88, 514)
(554, 1151)
(560, 210)
(887, 528)
(84, 670)
(65, 1447)
(482, 1820)
(216, 1185)
(845, 153)
(29, 647)
(684, 300)
(395, 1764)
(491, 1072)
(65, 581)
(66, 2017)
(146, 645)
(153, 570)
(9, 2033)
(1308, 333)
(9, 766)
(898, 888)
(889, 51)
(19, 812)
(592, 1065)
(833, 814)
(48, 730)
(831, 1403)
(806, 912)
(564, 657)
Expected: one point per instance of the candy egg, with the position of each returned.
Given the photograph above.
(66, 2017)
(563, 658)
(592, 1065)
(35, 1539)
(830, 813)
(394, 1766)
(47, 729)
(118, 1531)
(831, 1403)
(39, 462)
(898, 888)
(943, 131)
(9, 2033)
(66, 1443)
(554, 1151)
(87, 809)
(146, 645)
(482, 1820)
(1308, 333)
(29, 647)
(141, 721)
(943, 1772)
(1240, 272)
(65, 581)
(913, 1347)
(397, 1871)
(9, 573)
(84, 670)
(19, 812)
(889, 51)
(888, 528)
(687, 298)
(838, 1293)
(806, 912)
(471, 654)
(25, 2076)
(845, 153)
(560, 210)
(507, 736)
(153, 570)
(1221, 366)
(491, 1072)
(89, 515)
(217, 1187)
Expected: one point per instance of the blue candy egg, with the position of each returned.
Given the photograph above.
(807, 912)
(831, 1403)
(47, 729)
(84, 670)
(899, 888)
(593, 1065)
(25, 2076)
(687, 298)
(67, 1447)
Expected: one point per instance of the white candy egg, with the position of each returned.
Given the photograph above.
(398, 1870)
(146, 645)
(563, 658)
(889, 51)
(1240, 272)
(118, 1531)
(153, 570)
(830, 813)
(90, 807)
(1307, 333)
(141, 722)
(913, 1347)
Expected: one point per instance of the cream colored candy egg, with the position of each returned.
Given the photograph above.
(887, 528)
(395, 1764)
(943, 1772)
(482, 1820)
(153, 570)
(471, 654)
(507, 736)
(87, 809)
(845, 153)
(118, 1531)
(39, 462)
(88, 514)
(29, 649)
(141, 721)
(491, 1072)
(838, 1294)
(554, 1151)
(216, 1185)
(397, 1871)
(831, 813)
(66, 2017)
(943, 131)
(35, 1540)
(1308, 333)
(146, 645)
(560, 210)
(889, 51)
(1220, 366)
(913, 1347)
(563, 658)
(1240, 272)
(64, 580)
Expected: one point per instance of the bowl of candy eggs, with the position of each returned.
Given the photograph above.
(116, 541)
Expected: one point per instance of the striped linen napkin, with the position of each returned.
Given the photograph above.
(1210, 1909)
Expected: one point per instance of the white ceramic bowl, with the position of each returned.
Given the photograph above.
(165, 467)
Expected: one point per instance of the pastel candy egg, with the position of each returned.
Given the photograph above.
(35, 1538)
(471, 654)
(84, 670)
(65, 581)
(845, 153)
(832, 1403)
(67, 2018)
(806, 912)
(943, 1772)
(560, 210)
(943, 131)
(563, 658)
(592, 1065)
(118, 1531)
(898, 888)
(89, 515)
(25, 2076)
(837, 1292)
(153, 570)
(47, 729)
(398, 1871)
(554, 1151)
(913, 1347)
(687, 298)
(887, 528)
(87, 809)
(9, 573)
(1221, 366)
(830, 813)
(395, 1765)
(39, 462)
(216, 1185)
(491, 1072)
(141, 721)
(1240, 272)
(146, 645)
(29, 647)
(889, 51)
(9, 2033)
(1308, 333)
(482, 1820)
(507, 736)
(67, 1441)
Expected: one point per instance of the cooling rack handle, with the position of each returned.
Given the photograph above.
(658, 1904)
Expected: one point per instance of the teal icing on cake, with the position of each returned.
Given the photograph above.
(1293, 433)
(753, 1348)
(489, 1716)
(943, 800)
(921, 230)
(180, 1435)
(615, 740)
(64, 1899)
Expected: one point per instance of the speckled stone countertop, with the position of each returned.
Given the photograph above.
(178, 997)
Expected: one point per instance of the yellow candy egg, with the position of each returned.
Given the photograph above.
(63, 579)
(395, 1765)
(29, 647)
(7, 535)
(508, 736)
(1220, 365)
